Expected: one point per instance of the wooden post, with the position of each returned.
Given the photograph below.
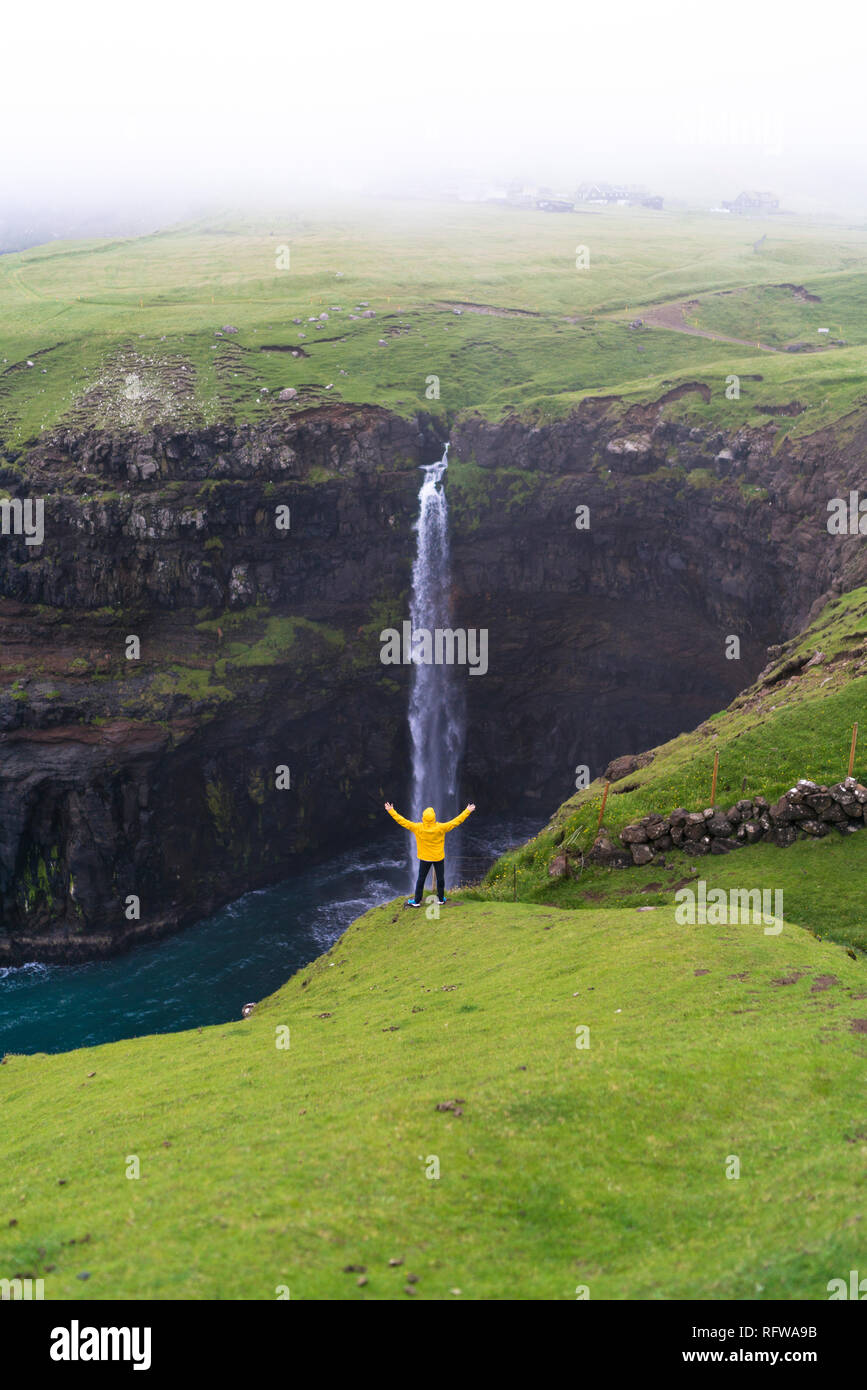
(602, 807)
(852, 749)
(713, 783)
(514, 883)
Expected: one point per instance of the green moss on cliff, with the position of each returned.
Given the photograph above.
(219, 802)
(195, 682)
(256, 787)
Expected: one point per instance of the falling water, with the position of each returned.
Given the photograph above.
(435, 704)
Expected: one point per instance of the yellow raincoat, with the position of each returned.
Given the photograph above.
(430, 834)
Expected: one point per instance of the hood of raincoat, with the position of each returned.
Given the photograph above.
(429, 815)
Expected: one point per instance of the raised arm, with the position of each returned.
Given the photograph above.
(450, 824)
(401, 820)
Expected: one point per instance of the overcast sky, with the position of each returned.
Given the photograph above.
(166, 102)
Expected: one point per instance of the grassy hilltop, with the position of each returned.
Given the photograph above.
(124, 333)
(603, 1166)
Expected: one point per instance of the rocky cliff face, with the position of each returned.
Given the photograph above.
(601, 636)
(179, 648)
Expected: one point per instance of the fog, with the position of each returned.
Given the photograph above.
(129, 117)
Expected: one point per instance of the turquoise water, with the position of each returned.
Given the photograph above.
(242, 953)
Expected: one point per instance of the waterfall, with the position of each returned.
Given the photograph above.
(435, 703)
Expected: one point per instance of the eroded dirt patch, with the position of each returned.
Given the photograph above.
(136, 391)
(677, 392)
(799, 292)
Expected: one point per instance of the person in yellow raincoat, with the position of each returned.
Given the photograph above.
(430, 839)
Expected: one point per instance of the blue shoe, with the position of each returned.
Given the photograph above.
(410, 902)
(442, 901)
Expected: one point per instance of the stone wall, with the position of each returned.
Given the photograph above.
(805, 810)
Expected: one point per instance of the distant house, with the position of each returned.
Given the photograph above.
(655, 202)
(607, 193)
(753, 202)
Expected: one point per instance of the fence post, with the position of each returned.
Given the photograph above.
(602, 807)
(713, 783)
(852, 749)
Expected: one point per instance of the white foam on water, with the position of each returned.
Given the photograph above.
(31, 967)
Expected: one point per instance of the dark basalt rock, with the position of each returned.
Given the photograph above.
(633, 835)
(625, 766)
(719, 826)
(815, 827)
(782, 835)
(752, 831)
(118, 779)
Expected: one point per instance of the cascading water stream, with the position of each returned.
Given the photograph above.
(435, 703)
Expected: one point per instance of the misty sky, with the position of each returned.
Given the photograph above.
(167, 102)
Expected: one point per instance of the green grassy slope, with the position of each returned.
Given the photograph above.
(602, 1166)
(780, 315)
(121, 333)
(789, 724)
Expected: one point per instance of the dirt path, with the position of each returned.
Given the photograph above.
(14, 278)
(672, 316)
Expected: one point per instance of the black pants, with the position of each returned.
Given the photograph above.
(424, 867)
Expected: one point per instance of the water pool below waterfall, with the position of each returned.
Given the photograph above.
(204, 975)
